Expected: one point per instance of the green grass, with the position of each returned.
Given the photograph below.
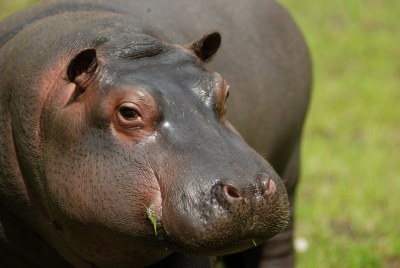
(348, 205)
(348, 201)
(7, 6)
(152, 217)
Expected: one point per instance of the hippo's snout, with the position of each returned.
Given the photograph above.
(232, 212)
(260, 199)
(230, 191)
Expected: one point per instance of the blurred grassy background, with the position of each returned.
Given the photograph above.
(8, 7)
(348, 202)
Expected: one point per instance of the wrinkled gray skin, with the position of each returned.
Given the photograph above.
(105, 124)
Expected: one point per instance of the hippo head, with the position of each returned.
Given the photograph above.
(139, 159)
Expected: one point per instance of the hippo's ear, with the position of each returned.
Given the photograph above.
(206, 46)
(82, 66)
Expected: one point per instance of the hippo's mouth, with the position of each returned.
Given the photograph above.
(217, 225)
(220, 245)
(230, 248)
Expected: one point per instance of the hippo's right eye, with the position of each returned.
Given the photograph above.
(128, 114)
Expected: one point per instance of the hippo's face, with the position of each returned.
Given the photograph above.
(138, 155)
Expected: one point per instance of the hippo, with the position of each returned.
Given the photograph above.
(119, 146)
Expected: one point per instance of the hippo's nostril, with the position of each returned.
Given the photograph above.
(231, 191)
(267, 185)
(271, 188)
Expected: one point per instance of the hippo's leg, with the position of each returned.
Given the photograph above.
(278, 251)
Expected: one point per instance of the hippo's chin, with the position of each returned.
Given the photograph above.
(220, 248)
(231, 248)
(217, 231)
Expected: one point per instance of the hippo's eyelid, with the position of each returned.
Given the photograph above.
(128, 113)
(129, 116)
(227, 94)
(222, 94)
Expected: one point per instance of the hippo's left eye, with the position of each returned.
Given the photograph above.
(128, 114)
